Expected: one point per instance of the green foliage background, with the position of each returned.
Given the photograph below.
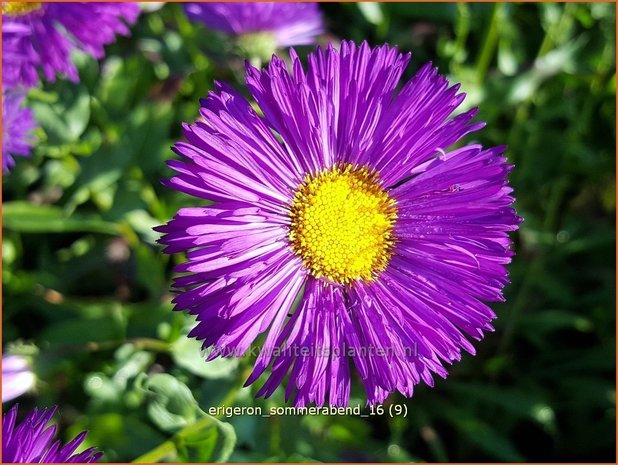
(85, 287)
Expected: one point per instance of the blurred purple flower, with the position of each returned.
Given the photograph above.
(31, 441)
(345, 196)
(17, 125)
(42, 36)
(17, 376)
(289, 23)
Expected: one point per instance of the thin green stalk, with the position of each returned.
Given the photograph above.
(143, 343)
(462, 30)
(519, 304)
(434, 443)
(537, 267)
(556, 29)
(275, 435)
(489, 44)
(516, 132)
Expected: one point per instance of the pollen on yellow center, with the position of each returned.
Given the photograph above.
(19, 8)
(342, 224)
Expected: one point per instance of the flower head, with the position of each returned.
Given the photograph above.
(346, 197)
(31, 440)
(285, 24)
(17, 125)
(43, 35)
(17, 376)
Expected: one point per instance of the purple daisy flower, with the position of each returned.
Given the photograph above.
(285, 24)
(17, 125)
(31, 441)
(345, 193)
(37, 35)
(17, 376)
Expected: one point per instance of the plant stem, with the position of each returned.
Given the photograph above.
(551, 219)
(156, 454)
(563, 25)
(143, 343)
(489, 44)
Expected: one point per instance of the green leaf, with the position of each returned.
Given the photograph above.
(562, 59)
(149, 269)
(482, 434)
(25, 217)
(143, 223)
(171, 405)
(209, 440)
(547, 321)
(64, 119)
(83, 331)
(123, 435)
(425, 11)
(372, 11)
(187, 353)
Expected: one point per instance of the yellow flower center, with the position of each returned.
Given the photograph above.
(20, 8)
(342, 224)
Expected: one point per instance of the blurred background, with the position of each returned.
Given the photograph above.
(85, 287)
